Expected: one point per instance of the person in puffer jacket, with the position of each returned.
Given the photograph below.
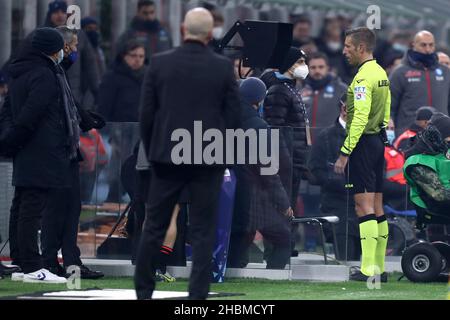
(284, 107)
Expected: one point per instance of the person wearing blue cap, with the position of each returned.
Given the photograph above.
(81, 66)
(56, 14)
(262, 202)
(90, 26)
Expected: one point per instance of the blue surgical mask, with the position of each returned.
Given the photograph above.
(73, 56)
(390, 136)
(261, 110)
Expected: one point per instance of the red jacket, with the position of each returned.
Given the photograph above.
(394, 165)
(93, 150)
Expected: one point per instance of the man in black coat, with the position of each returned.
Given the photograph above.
(41, 142)
(61, 218)
(120, 90)
(187, 84)
(261, 202)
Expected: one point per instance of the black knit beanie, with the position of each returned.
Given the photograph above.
(47, 40)
(291, 58)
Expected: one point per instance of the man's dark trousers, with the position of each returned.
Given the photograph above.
(26, 213)
(60, 223)
(167, 182)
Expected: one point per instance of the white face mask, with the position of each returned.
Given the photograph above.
(301, 72)
(217, 33)
(60, 56)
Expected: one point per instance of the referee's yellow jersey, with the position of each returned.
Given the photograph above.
(368, 104)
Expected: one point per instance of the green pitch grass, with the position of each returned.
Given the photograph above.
(265, 289)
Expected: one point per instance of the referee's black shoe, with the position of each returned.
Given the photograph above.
(357, 275)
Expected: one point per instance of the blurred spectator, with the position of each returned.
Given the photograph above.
(56, 14)
(147, 29)
(444, 59)
(331, 42)
(83, 73)
(261, 201)
(333, 200)
(398, 44)
(118, 101)
(90, 27)
(309, 47)
(301, 33)
(120, 89)
(3, 89)
(321, 93)
(218, 31)
(393, 61)
(420, 80)
(407, 138)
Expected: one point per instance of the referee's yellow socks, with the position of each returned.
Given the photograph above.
(383, 233)
(368, 230)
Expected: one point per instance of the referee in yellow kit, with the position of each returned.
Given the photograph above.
(368, 107)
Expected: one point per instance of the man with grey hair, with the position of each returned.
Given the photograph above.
(182, 86)
(60, 219)
(420, 80)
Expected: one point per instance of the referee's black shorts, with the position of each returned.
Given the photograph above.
(366, 165)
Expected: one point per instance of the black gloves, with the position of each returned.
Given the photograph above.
(90, 120)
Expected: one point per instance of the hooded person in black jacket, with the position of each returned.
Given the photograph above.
(284, 107)
(262, 202)
(43, 139)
